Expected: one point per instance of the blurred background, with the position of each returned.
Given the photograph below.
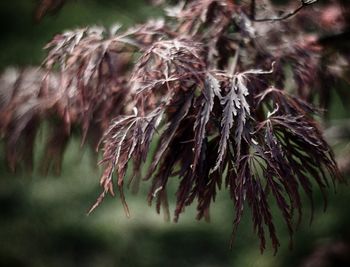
(43, 220)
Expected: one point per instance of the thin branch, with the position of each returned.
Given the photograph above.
(304, 3)
(252, 10)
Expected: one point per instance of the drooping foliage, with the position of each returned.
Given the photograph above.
(227, 90)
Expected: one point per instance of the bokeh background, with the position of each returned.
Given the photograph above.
(43, 220)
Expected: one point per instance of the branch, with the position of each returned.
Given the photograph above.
(252, 10)
(304, 3)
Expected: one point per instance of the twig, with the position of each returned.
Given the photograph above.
(304, 3)
(252, 10)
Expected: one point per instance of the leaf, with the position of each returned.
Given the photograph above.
(211, 89)
(182, 108)
(127, 138)
(234, 105)
(244, 111)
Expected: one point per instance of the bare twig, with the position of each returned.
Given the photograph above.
(304, 3)
(252, 10)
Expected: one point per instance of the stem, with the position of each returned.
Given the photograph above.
(252, 10)
(285, 16)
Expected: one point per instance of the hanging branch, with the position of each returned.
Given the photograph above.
(197, 88)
